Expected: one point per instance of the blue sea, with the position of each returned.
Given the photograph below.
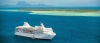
(53, 8)
(69, 29)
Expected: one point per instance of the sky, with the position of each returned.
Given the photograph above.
(55, 2)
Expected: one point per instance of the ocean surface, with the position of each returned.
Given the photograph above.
(69, 29)
(53, 8)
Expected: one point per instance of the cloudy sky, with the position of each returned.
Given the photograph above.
(55, 2)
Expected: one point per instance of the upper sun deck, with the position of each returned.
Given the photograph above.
(39, 28)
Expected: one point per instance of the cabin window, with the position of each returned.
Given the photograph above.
(17, 30)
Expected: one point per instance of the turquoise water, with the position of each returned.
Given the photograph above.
(69, 29)
(55, 13)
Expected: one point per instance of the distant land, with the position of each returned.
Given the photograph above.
(24, 4)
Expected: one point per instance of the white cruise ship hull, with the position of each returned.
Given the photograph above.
(24, 34)
(38, 32)
(37, 36)
(44, 36)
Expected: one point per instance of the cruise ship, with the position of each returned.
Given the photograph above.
(37, 32)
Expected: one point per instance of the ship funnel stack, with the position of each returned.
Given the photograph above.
(42, 25)
(26, 24)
